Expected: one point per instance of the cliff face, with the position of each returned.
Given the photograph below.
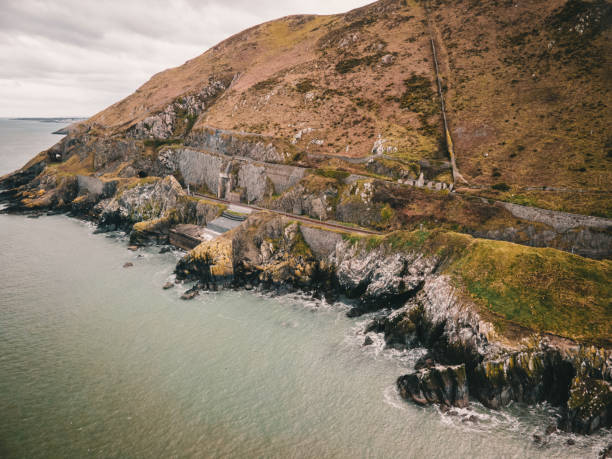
(485, 343)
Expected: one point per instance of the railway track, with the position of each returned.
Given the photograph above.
(296, 217)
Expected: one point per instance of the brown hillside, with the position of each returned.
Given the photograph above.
(527, 90)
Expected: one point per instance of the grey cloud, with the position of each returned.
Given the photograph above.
(79, 56)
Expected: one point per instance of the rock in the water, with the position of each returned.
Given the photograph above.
(368, 341)
(128, 264)
(444, 385)
(189, 294)
(165, 249)
(427, 361)
(168, 285)
(133, 248)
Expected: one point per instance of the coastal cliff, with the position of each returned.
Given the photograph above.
(501, 270)
(491, 337)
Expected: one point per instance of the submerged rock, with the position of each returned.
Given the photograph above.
(168, 285)
(128, 264)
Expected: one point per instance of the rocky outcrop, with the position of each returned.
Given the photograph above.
(151, 199)
(380, 277)
(589, 406)
(529, 376)
(266, 250)
(177, 119)
(211, 263)
(442, 385)
(242, 144)
(496, 375)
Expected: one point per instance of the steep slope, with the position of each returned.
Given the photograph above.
(526, 88)
(339, 77)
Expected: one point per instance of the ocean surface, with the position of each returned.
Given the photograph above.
(96, 360)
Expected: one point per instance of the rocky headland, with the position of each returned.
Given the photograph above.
(506, 284)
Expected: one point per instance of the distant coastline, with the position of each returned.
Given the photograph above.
(68, 121)
(52, 120)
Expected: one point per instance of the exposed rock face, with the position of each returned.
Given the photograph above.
(378, 277)
(496, 374)
(444, 385)
(177, 118)
(233, 143)
(590, 395)
(437, 318)
(593, 242)
(589, 405)
(528, 376)
(211, 262)
(143, 202)
(265, 250)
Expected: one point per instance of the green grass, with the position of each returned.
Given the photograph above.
(546, 290)
(539, 289)
(332, 173)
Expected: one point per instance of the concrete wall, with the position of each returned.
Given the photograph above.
(198, 167)
(233, 143)
(560, 221)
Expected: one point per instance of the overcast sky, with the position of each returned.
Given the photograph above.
(76, 57)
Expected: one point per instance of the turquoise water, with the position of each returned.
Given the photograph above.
(98, 361)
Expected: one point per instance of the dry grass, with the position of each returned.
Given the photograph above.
(527, 104)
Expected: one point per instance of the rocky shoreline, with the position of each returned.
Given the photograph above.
(425, 309)
(402, 276)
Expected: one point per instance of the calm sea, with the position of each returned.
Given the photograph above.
(96, 360)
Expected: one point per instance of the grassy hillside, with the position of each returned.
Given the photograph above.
(521, 290)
